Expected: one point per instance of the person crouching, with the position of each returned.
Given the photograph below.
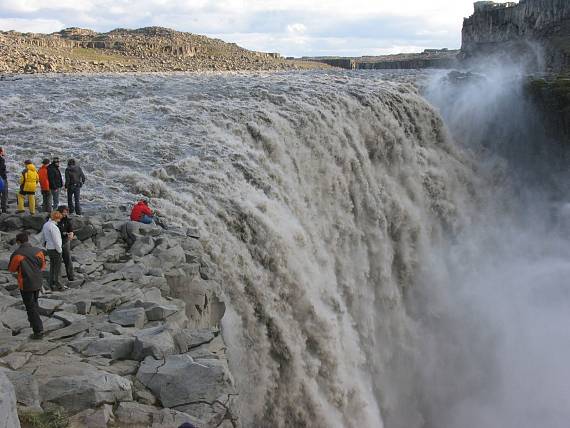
(28, 262)
(52, 238)
(142, 213)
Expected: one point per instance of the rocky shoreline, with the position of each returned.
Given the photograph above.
(134, 342)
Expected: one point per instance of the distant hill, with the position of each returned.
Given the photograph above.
(151, 49)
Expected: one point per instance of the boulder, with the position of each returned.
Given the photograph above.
(85, 232)
(178, 380)
(8, 403)
(190, 339)
(142, 246)
(26, 387)
(133, 317)
(113, 347)
(77, 386)
(156, 311)
(10, 224)
(141, 415)
(156, 342)
(106, 239)
(35, 222)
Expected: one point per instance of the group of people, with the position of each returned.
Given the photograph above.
(28, 262)
(50, 181)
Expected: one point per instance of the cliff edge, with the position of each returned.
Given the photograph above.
(536, 29)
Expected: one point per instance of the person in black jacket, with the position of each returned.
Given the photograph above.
(67, 235)
(74, 180)
(28, 262)
(4, 178)
(55, 182)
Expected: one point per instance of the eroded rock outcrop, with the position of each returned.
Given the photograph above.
(135, 341)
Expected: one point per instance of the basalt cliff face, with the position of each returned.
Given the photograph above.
(538, 29)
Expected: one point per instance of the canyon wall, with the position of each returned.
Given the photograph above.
(536, 29)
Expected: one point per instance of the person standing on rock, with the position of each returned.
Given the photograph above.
(4, 178)
(28, 183)
(44, 184)
(67, 235)
(74, 180)
(28, 262)
(55, 182)
(52, 238)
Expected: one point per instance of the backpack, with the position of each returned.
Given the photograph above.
(2, 185)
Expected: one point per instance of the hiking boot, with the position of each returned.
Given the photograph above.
(37, 336)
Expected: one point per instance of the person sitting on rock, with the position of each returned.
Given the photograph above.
(28, 182)
(67, 235)
(28, 262)
(52, 238)
(44, 184)
(142, 213)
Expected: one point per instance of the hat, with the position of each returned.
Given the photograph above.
(27, 162)
(56, 159)
(45, 161)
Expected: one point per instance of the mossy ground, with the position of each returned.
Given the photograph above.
(52, 418)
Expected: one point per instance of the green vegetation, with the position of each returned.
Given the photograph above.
(87, 54)
(51, 418)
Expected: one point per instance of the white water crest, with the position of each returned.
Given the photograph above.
(373, 266)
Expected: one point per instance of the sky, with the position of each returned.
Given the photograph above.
(290, 27)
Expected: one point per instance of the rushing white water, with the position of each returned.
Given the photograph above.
(367, 284)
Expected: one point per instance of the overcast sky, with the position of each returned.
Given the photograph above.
(291, 27)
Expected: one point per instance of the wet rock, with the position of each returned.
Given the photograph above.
(134, 317)
(8, 403)
(156, 342)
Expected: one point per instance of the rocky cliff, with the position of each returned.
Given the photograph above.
(146, 49)
(537, 29)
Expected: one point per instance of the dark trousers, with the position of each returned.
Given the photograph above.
(4, 197)
(46, 201)
(54, 269)
(67, 260)
(55, 198)
(30, 299)
(73, 193)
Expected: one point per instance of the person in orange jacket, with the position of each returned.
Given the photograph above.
(28, 183)
(44, 184)
(28, 262)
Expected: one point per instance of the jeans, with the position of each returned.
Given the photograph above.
(46, 201)
(30, 299)
(55, 198)
(54, 269)
(66, 255)
(73, 193)
(145, 219)
(4, 197)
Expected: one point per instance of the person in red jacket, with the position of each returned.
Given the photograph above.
(142, 213)
(29, 262)
(44, 184)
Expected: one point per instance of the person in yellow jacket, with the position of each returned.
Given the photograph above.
(28, 182)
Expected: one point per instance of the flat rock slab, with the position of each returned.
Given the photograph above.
(49, 306)
(133, 317)
(141, 415)
(14, 319)
(78, 386)
(156, 311)
(16, 360)
(8, 301)
(178, 380)
(26, 387)
(69, 318)
(69, 331)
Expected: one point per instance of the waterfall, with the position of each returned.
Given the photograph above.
(360, 239)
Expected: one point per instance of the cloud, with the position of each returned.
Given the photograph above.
(293, 27)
